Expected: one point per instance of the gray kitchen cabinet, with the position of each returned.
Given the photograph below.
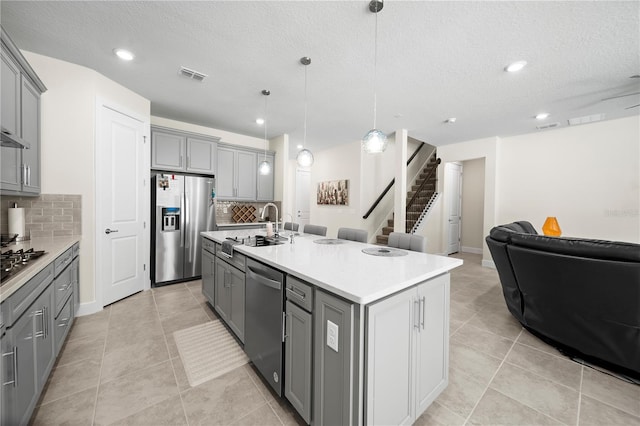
(333, 369)
(208, 275)
(30, 132)
(298, 368)
(174, 150)
(237, 174)
(20, 93)
(265, 182)
(6, 376)
(229, 296)
(22, 387)
(43, 312)
(410, 328)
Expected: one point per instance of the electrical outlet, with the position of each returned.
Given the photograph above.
(332, 335)
(225, 210)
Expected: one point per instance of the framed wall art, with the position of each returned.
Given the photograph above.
(333, 192)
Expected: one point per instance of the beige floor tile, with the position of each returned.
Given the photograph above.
(263, 387)
(482, 340)
(286, 413)
(181, 375)
(499, 322)
(210, 311)
(526, 338)
(90, 326)
(497, 409)
(180, 321)
(460, 312)
(262, 416)
(462, 393)
(130, 394)
(558, 369)
(74, 409)
(132, 358)
(168, 288)
(166, 413)
(71, 378)
(549, 398)
(479, 366)
(222, 400)
(438, 415)
(81, 349)
(596, 413)
(175, 302)
(611, 390)
(138, 311)
(143, 331)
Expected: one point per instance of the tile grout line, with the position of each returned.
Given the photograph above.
(173, 368)
(580, 394)
(492, 377)
(104, 351)
(261, 393)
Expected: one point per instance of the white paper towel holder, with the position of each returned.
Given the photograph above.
(17, 224)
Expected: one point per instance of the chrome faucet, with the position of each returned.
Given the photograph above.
(264, 210)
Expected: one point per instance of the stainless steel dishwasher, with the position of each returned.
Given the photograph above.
(264, 330)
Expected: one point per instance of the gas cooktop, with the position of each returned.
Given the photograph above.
(13, 262)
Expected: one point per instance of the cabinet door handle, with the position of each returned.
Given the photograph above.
(24, 174)
(14, 354)
(29, 175)
(40, 313)
(294, 291)
(422, 309)
(416, 314)
(284, 326)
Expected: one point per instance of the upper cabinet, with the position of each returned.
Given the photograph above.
(20, 120)
(237, 174)
(173, 150)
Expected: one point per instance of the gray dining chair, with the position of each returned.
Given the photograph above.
(407, 241)
(315, 229)
(291, 226)
(353, 234)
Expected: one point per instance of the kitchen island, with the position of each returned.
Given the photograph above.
(377, 328)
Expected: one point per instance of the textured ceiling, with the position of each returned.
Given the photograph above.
(435, 60)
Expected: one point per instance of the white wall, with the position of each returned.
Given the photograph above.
(587, 176)
(472, 237)
(68, 137)
(226, 137)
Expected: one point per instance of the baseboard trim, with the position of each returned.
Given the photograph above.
(473, 250)
(88, 308)
(488, 264)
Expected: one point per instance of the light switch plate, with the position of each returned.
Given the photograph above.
(332, 335)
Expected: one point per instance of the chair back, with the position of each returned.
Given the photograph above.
(315, 229)
(353, 234)
(408, 241)
(291, 226)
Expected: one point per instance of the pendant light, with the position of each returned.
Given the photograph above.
(265, 168)
(375, 141)
(305, 157)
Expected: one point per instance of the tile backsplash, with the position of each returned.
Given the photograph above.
(48, 215)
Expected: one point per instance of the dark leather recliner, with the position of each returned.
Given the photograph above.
(582, 295)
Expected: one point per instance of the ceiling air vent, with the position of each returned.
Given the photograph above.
(192, 74)
(547, 126)
(586, 119)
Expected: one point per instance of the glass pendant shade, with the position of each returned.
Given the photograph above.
(305, 158)
(374, 141)
(264, 168)
(551, 227)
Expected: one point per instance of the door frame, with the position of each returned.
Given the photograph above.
(448, 193)
(144, 189)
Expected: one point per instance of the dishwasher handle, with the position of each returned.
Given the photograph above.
(263, 280)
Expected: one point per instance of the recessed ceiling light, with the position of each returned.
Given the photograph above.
(299, 146)
(450, 120)
(260, 121)
(124, 54)
(542, 116)
(515, 66)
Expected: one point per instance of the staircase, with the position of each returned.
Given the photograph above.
(427, 179)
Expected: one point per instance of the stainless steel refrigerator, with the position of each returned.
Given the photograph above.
(183, 206)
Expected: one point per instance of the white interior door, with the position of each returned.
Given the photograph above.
(303, 207)
(454, 184)
(120, 200)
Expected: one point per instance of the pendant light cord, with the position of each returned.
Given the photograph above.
(304, 138)
(375, 67)
(265, 128)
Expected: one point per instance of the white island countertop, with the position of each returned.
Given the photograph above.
(343, 269)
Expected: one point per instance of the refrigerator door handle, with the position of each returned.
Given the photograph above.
(187, 226)
(182, 220)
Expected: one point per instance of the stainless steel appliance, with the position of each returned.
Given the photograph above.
(264, 321)
(183, 206)
(13, 262)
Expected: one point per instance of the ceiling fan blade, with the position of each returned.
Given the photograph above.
(621, 96)
(633, 106)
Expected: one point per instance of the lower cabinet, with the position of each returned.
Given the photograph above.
(229, 296)
(298, 355)
(411, 330)
(208, 276)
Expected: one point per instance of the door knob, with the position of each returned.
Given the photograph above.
(108, 231)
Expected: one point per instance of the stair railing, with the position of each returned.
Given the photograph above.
(386, 190)
(412, 201)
